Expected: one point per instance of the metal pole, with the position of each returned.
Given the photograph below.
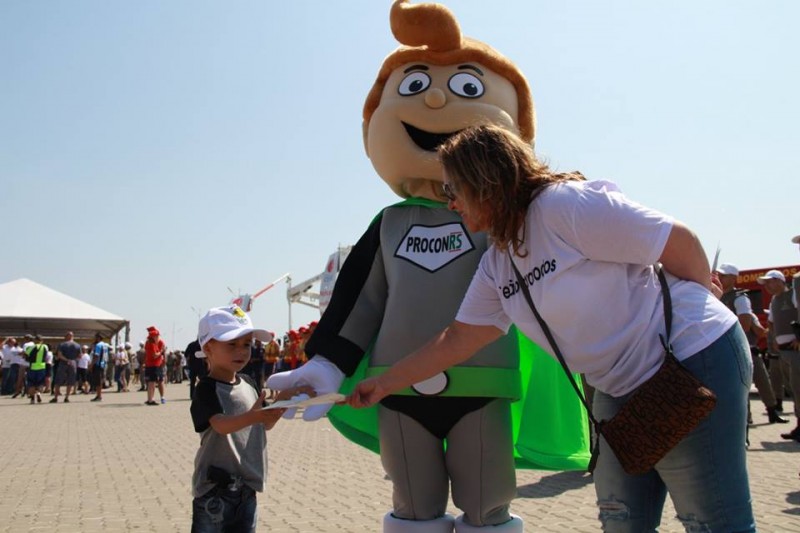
(288, 300)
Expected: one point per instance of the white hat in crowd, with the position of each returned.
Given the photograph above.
(772, 274)
(228, 323)
(729, 269)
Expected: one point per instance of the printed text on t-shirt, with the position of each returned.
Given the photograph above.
(534, 275)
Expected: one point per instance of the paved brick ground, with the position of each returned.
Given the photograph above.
(123, 466)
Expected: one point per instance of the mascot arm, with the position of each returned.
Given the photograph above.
(320, 374)
(347, 327)
(353, 317)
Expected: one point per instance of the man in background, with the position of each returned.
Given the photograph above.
(737, 301)
(67, 354)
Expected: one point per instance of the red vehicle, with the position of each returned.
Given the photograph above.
(759, 297)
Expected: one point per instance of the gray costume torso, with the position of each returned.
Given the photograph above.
(402, 283)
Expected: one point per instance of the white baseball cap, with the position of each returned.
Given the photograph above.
(228, 323)
(772, 274)
(729, 269)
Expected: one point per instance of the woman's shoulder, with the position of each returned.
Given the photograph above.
(566, 194)
(567, 189)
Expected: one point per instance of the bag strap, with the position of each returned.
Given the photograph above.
(546, 330)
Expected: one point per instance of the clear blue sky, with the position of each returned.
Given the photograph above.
(154, 153)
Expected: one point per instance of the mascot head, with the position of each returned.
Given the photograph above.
(435, 84)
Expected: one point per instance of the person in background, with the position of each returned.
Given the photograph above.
(196, 363)
(36, 355)
(737, 301)
(82, 374)
(10, 354)
(255, 367)
(22, 365)
(141, 355)
(97, 367)
(120, 368)
(131, 355)
(67, 354)
(782, 312)
(272, 352)
(588, 255)
(134, 367)
(154, 364)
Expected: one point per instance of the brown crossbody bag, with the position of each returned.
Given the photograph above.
(660, 412)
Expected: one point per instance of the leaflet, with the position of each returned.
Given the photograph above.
(302, 400)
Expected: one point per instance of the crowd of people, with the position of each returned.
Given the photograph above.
(34, 366)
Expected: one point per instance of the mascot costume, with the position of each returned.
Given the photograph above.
(509, 405)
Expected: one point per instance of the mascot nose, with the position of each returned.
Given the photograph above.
(435, 98)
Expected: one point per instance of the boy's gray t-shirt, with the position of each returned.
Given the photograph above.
(242, 453)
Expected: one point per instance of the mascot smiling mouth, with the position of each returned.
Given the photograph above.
(426, 140)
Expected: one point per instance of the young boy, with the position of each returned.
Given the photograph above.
(231, 464)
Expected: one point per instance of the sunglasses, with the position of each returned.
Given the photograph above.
(447, 191)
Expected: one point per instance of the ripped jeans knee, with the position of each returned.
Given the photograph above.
(692, 525)
(612, 513)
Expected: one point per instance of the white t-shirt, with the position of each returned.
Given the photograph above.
(21, 357)
(83, 360)
(589, 271)
(10, 355)
(742, 305)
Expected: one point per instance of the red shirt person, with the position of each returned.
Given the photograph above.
(154, 361)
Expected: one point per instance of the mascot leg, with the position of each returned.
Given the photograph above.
(414, 460)
(480, 460)
(392, 524)
(512, 526)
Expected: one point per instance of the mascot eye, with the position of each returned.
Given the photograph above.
(414, 83)
(466, 85)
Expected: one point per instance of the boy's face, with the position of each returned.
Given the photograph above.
(230, 356)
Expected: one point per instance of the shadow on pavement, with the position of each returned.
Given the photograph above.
(785, 446)
(554, 485)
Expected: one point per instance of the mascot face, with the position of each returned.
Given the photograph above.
(421, 105)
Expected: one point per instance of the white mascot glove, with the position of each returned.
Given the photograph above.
(318, 373)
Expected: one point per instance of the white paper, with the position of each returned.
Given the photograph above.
(303, 400)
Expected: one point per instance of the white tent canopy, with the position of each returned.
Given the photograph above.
(28, 307)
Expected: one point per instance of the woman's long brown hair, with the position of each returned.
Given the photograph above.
(497, 172)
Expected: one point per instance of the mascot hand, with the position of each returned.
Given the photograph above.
(320, 374)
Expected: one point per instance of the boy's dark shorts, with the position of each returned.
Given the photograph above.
(154, 373)
(35, 378)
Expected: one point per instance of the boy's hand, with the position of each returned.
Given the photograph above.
(319, 373)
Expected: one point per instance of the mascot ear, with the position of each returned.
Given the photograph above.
(364, 133)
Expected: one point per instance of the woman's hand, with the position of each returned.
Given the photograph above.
(367, 393)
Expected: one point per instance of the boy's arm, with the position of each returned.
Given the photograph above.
(226, 424)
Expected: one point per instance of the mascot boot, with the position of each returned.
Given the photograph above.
(512, 526)
(392, 524)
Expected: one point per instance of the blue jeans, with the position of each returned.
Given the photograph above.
(225, 511)
(706, 473)
(9, 379)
